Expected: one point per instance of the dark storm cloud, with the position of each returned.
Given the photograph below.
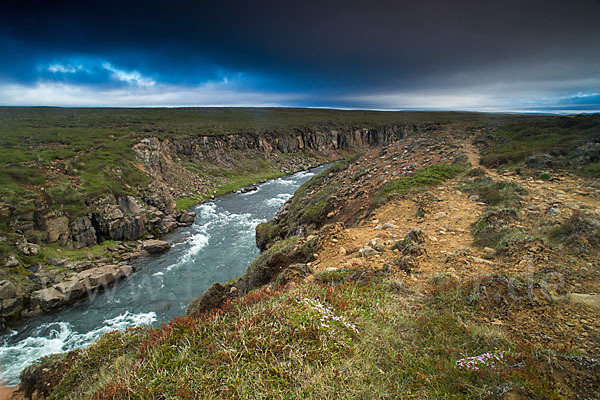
(336, 53)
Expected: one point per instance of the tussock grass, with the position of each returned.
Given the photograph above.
(494, 193)
(493, 229)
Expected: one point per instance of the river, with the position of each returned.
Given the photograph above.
(218, 247)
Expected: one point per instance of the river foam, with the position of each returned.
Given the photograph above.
(58, 337)
(217, 247)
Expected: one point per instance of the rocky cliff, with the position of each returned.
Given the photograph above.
(191, 166)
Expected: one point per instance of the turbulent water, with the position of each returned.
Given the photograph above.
(219, 246)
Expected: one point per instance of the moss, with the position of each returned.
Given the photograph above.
(315, 214)
(424, 178)
(185, 203)
(265, 233)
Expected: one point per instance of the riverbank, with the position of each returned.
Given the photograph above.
(68, 275)
(420, 279)
(393, 274)
(218, 246)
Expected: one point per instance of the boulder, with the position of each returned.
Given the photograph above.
(214, 296)
(47, 298)
(55, 228)
(187, 217)
(125, 271)
(368, 251)
(294, 272)
(9, 305)
(28, 249)
(100, 276)
(72, 289)
(156, 246)
(7, 290)
(167, 225)
(11, 261)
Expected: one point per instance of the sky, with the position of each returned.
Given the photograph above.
(481, 55)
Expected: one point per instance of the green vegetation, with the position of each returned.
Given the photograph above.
(592, 170)
(495, 228)
(422, 179)
(494, 193)
(560, 142)
(97, 251)
(310, 205)
(347, 335)
(545, 176)
(577, 233)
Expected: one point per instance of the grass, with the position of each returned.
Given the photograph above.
(592, 170)
(494, 229)
(422, 179)
(494, 193)
(310, 205)
(511, 144)
(577, 233)
(97, 251)
(336, 338)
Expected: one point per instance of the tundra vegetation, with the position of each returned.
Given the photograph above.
(492, 293)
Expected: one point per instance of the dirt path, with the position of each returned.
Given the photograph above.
(445, 215)
(446, 223)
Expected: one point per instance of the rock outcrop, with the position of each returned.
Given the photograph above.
(87, 281)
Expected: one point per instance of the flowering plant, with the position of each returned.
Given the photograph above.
(327, 316)
(480, 361)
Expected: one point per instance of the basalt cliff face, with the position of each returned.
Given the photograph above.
(297, 150)
(125, 217)
(192, 166)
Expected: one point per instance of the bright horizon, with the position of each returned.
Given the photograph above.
(514, 56)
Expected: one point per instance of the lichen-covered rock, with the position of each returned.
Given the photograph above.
(11, 261)
(7, 290)
(83, 232)
(55, 227)
(28, 249)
